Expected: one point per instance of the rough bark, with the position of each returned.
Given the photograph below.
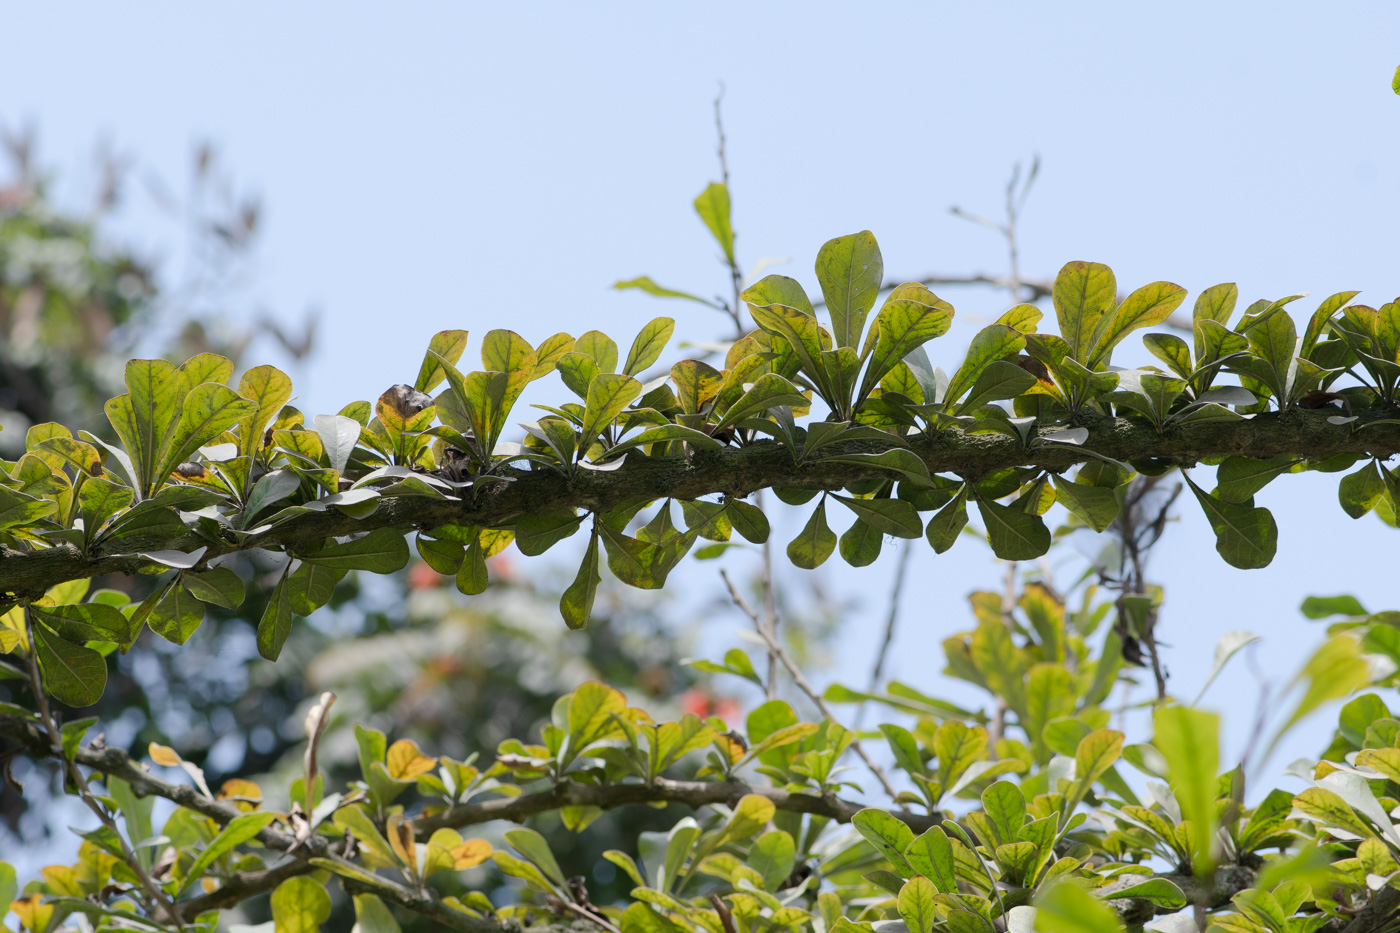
(739, 472)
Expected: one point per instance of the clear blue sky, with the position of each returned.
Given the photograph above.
(479, 165)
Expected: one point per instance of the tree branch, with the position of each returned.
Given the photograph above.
(693, 794)
(739, 472)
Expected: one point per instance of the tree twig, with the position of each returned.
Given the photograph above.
(891, 618)
(158, 903)
(735, 275)
(806, 687)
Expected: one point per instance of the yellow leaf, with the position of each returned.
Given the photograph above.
(209, 885)
(237, 787)
(33, 914)
(400, 833)
(404, 761)
(165, 755)
(471, 853)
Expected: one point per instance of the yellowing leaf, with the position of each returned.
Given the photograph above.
(470, 853)
(165, 755)
(404, 761)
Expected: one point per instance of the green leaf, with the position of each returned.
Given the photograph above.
(177, 615)
(383, 550)
(1334, 671)
(1159, 891)
(1272, 341)
(151, 408)
(88, 622)
(238, 831)
(635, 562)
(992, 343)
(1320, 607)
(268, 388)
(931, 855)
(1245, 536)
(916, 905)
(910, 317)
(505, 351)
(1146, 307)
(592, 710)
(850, 270)
(1067, 908)
(601, 347)
(372, 916)
(1172, 350)
(1095, 506)
(889, 835)
(748, 520)
(1395, 81)
(651, 288)
(300, 905)
(887, 516)
(276, 622)
(19, 510)
(1005, 807)
(608, 395)
(814, 543)
(534, 847)
(310, 587)
(773, 856)
(1083, 293)
(537, 532)
(999, 380)
(577, 370)
(208, 411)
(904, 747)
(9, 886)
(472, 576)
(860, 544)
(1239, 478)
(712, 205)
(1189, 740)
(447, 345)
(74, 675)
(943, 529)
(577, 602)
(1094, 755)
(1360, 491)
(646, 349)
(768, 391)
(778, 290)
(1013, 533)
(1216, 304)
(904, 462)
(219, 586)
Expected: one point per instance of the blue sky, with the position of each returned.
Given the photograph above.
(480, 165)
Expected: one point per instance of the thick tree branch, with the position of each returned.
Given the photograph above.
(1228, 881)
(693, 794)
(739, 472)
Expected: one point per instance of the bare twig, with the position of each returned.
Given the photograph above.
(802, 684)
(735, 275)
(997, 729)
(769, 624)
(158, 903)
(1016, 194)
(591, 916)
(895, 593)
(726, 917)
